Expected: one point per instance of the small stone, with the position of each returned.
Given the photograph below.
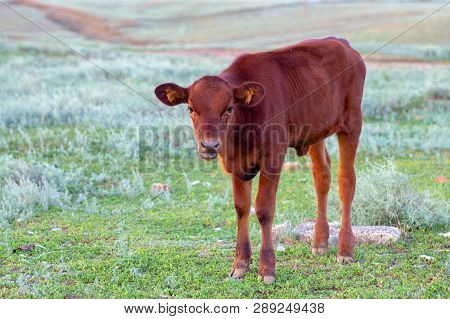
(252, 210)
(207, 184)
(441, 180)
(426, 257)
(281, 248)
(136, 271)
(291, 166)
(24, 248)
(217, 228)
(159, 188)
(446, 235)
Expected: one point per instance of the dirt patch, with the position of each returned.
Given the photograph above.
(378, 61)
(83, 23)
(374, 61)
(209, 52)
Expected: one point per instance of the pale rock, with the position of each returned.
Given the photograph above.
(381, 235)
(290, 166)
(426, 257)
(159, 188)
(281, 232)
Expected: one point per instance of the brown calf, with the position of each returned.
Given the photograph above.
(263, 103)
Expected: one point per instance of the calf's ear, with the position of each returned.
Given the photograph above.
(249, 94)
(171, 94)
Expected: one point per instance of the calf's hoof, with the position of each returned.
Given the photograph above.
(319, 251)
(343, 260)
(238, 273)
(268, 280)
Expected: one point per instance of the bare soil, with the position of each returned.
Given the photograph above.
(81, 22)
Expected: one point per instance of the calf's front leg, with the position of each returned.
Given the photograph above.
(265, 211)
(242, 193)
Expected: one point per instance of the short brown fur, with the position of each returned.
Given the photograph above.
(260, 105)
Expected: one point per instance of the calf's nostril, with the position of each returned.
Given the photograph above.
(210, 144)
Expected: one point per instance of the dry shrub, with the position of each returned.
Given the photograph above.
(386, 196)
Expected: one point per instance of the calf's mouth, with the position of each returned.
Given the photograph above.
(208, 155)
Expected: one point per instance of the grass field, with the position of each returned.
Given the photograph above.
(77, 218)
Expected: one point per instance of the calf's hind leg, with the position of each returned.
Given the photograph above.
(322, 180)
(348, 144)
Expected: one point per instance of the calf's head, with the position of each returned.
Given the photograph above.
(212, 105)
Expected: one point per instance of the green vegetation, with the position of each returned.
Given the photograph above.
(386, 196)
(78, 219)
(181, 245)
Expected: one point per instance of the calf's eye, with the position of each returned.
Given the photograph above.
(227, 114)
(190, 109)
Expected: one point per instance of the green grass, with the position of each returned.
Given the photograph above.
(175, 249)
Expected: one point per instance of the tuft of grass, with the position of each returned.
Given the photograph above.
(24, 187)
(132, 187)
(29, 186)
(386, 196)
